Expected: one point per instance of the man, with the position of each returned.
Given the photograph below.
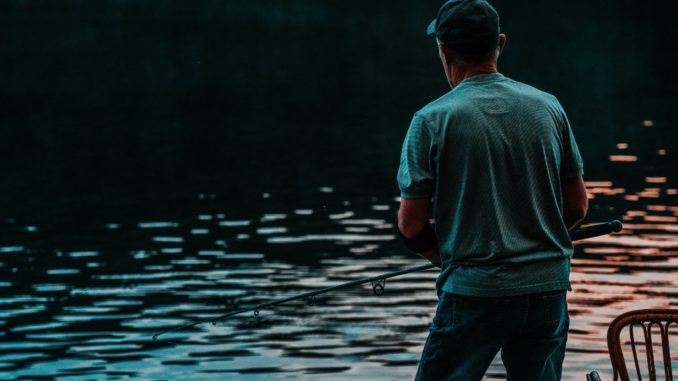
(500, 162)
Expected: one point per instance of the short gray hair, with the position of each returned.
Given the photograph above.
(464, 59)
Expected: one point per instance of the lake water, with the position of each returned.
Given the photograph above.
(170, 161)
(81, 299)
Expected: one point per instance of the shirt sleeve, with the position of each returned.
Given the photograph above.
(416, 175)
(572, 164)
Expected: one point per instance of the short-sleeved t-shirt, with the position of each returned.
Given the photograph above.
(492, 153)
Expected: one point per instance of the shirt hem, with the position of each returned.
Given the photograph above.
(513, 291)
(573, 173)
(409, 195)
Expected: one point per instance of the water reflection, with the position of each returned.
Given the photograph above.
(83, 302)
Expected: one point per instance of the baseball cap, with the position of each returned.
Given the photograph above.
(468, 26)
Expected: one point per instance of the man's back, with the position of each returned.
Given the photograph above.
(493, 152)
(501, 164)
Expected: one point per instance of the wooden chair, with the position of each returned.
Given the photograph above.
(642, 325)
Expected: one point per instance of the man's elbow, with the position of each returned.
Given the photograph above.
(575, 213)
(584, 207)
(413, 216)
(575, 200)
(579, 213)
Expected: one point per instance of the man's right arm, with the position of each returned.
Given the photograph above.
(575, 201)
(575, 198)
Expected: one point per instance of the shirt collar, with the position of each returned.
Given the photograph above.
(482, 78)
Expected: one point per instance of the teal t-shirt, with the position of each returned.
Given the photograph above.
(492, 153)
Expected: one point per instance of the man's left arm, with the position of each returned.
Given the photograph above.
(416, 180)
(413, 219)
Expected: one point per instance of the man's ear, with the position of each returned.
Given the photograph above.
(444, 53)
(502, 42)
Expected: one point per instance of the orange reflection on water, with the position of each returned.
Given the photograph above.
(663, 227)
(598, 183)
(605, 191)
(655, 180)
(645, 240)
(634, 213)
(647, 251)
(660, 219)
(633, 269)
(649, 193)
(623, 158)
(605, 265)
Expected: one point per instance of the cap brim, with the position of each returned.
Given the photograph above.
(431, 29)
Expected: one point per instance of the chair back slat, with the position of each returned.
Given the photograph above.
(666, 349)
(659, 320)
(649, 351)
(635, 354)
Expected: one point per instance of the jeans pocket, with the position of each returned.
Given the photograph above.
(444, 317)
(555, 319)
(486, 314)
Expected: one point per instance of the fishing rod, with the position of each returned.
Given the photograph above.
(378, 282)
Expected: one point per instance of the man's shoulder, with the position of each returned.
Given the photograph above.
(460, 100)
(445, 104)
(533, 92)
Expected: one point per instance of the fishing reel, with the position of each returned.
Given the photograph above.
(378, 286)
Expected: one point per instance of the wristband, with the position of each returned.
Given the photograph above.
(421, 242)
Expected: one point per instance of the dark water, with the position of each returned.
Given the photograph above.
(123, 103)
(82, 300)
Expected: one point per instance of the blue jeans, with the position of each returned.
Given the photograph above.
(467, 332)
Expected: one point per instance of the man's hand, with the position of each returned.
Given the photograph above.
(432, 256)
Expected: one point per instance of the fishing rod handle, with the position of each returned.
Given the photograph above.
(596, 230)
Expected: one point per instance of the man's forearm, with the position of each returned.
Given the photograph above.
(415, 229)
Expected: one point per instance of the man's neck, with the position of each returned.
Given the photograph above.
(460, 74)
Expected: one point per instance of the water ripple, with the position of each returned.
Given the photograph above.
(87, 308)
